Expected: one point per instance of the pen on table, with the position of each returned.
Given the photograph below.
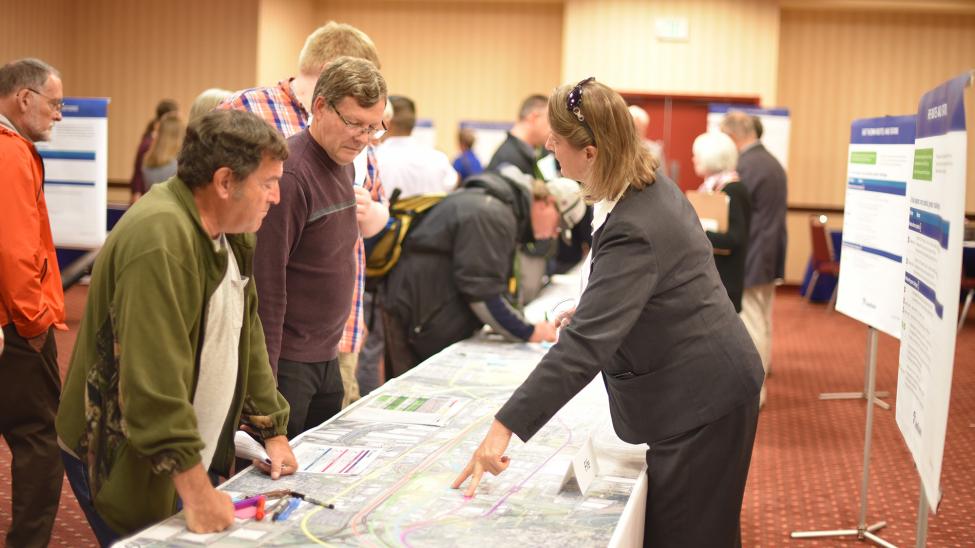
(248, 502)
(283, 513)
(306, 498)
(261, 502)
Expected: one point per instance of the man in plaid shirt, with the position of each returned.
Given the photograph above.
(286, 106)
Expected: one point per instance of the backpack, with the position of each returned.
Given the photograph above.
(384, 249)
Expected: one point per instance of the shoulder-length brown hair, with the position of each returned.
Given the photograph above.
(621, 158)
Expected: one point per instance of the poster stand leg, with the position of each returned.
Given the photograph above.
(922, 520)
(862, 394)
(862, 531)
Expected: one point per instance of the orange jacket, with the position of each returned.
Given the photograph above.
(30, 281)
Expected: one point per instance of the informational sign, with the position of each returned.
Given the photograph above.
(76, 174)
(775, 123)
(932, 276)
(424, 132)
(488, 136)
(874, 221)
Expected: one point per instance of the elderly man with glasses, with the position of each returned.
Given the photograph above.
(305, 265)
(31, 300)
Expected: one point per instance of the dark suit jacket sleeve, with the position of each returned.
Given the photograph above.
(624, 275)
(736, 237)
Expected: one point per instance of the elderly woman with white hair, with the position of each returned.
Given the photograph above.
(715, 159)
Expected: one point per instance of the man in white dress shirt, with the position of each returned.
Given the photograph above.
(407, 164)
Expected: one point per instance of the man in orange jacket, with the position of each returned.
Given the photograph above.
(31, 300)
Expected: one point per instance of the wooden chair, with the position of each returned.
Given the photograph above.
(823, 261)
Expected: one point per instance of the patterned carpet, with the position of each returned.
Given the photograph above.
(807, 463)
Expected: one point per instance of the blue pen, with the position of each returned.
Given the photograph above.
(283, 514)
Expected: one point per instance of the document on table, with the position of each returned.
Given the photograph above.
(316, 458)
(402, 409)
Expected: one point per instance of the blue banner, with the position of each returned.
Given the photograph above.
(873, 251)
(722, 108)
(930, 225)
(943, 108)
(886, 130)
(66, 155)
(75, 107)
(926, 291)
(872, 185)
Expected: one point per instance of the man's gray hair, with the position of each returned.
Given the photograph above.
(227, 138)
(351, 77)
(531, 104)
(738, 124)
(25, 73)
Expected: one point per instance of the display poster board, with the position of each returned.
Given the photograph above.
(775, 121)
(874, 221)
(425, 132)
(932, 277)
(76, 174)
(488, 136)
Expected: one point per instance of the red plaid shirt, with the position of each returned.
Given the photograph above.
(280, 107)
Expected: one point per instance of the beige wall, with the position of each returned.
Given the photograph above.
(136, 53)
(878, 64)
(460, 60)
(282, 28)
(732, 48)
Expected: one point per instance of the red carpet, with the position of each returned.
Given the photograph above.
(808, 457)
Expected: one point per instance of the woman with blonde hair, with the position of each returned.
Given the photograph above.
(654, 320)
(160, 162)
(207, 101)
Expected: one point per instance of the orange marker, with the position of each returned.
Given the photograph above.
(261, 501)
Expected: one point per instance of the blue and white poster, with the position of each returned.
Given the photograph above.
(775, 123)
(874, 221)
(932, 277)
(76, 174)
(488, 136)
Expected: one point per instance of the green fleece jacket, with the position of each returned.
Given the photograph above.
(126, 408)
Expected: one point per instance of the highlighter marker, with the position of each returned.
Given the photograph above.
(261, 501)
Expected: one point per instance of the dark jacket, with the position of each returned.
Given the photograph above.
(765, 179)
(731, 247)
(655, 321)
(516, 152)
(460, 253)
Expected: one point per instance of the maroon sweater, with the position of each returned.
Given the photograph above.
(305, 262)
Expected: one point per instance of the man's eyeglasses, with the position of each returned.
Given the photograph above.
(56, 104)
(359, 129)
(573, 102)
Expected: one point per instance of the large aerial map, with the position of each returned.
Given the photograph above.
(396, 491)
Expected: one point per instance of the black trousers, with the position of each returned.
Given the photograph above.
(399, 354)
(313, 390)
(697, 482)
(30, 388)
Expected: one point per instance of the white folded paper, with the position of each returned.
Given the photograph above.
(248, 448)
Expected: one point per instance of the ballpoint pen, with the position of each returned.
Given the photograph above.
(306, 498)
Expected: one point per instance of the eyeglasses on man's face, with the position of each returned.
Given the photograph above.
(56, 104)
(359, 129)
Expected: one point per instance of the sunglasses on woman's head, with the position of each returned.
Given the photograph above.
(573, 103)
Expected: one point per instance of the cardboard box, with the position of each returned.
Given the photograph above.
(712, 209)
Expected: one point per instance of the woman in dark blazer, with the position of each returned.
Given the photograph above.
(715, 157)
(681, 372)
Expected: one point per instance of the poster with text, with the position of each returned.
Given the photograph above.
(874, 221)
(932, 277)
(76, 174)
(776, 126)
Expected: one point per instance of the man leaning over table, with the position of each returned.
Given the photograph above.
(170, 356)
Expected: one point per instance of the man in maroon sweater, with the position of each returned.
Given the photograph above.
(304, 264)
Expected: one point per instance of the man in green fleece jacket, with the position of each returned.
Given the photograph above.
(170, 356)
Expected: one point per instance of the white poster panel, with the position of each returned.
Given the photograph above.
(775, 123)
(425, 133)
(932, 276)
(76, 174)
(488, 136)
(871, 284)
